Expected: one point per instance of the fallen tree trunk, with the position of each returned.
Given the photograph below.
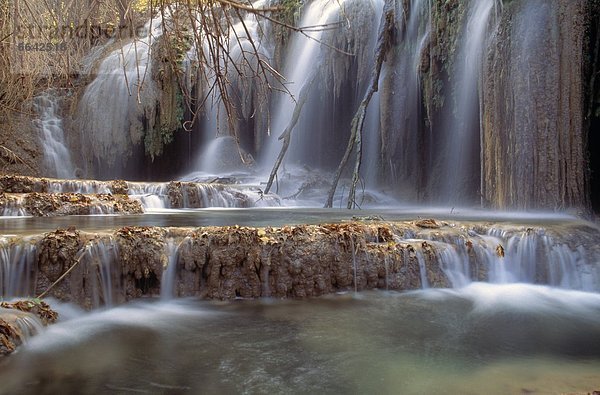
(287, 133)
(384, 43)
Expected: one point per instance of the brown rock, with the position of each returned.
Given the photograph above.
(427, 223)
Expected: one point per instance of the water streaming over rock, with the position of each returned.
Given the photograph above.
(169, 279)
(26, 194)
(436, 131)
(401, 157)
(101, 256)
(17, 267)
(112, 108)
(57, 157)
(178, 262)
(460, 171)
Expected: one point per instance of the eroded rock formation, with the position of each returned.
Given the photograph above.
(229, 262)
(21, 195)
(58, 204)
(298, 261)
(18, 321)
(534, 137)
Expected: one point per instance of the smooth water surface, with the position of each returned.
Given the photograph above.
(493, 339)
(266, 217)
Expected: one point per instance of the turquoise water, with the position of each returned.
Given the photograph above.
(493, 339)
(265, 217)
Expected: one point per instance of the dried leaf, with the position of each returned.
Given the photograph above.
(500, 251)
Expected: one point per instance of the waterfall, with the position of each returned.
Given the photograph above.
(401, 100)
(441, 128)
(460, 170)
(339, 46)
(17, 267)
(57, 157)
(249, 48)
(302, 61)
(169, 275)
(111, 111)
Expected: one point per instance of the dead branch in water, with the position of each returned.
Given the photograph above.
(66, 273)
(384, 43)
(287, 133)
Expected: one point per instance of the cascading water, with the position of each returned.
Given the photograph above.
(249, 48)
(101, 256)
(168, 281)
(497, 254)
(56, 154)
(319, 64)
(518, 311)
(303, 62)
(151, 195)
(401, 100)
(124, 89)
(460, 171)
(17, 271)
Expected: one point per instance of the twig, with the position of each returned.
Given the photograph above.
(13, 157)
(65, 274)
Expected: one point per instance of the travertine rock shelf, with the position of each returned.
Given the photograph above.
(293, 261)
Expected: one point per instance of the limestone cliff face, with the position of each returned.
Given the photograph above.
(533, 136)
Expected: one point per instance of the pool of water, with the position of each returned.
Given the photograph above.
(493, 339)
(264, 217)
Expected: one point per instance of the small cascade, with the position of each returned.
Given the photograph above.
(79, 186)
(98, 197)
(56, 154)
(151, 195)
(227, 262)
(26, 324)
(168, 280)
(17, 267)
(508, 256)
(12, 206)
(102, 255)
(422, 269)
(454, 263)
(532, 256)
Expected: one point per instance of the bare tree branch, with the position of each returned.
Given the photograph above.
(287, 133)
(384, 43)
